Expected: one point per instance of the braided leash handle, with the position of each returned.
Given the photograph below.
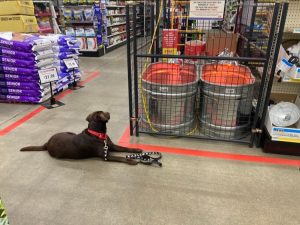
(140, 155)
(146, 158)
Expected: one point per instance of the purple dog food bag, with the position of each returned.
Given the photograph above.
(17, 45)
(29, 43)
(17, 70)
(21, 78)
(24, 99)
(20, 92)
(16, 62)
(20, 85)
(17, 54)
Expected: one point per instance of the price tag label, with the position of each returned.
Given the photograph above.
(48, 75)
(70, 63)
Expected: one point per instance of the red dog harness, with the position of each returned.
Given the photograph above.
(101, 136)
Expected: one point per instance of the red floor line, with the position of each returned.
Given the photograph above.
(125, 138)
(33, 113)
(125, 141)
(14, 125)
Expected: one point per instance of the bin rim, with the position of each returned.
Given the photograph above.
(170, 85)
(253, 79)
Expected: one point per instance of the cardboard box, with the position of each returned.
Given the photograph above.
(15, 7)
(18, 23)
(285, 134)
(218, 41)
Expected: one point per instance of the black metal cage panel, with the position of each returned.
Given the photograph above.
(200, 77)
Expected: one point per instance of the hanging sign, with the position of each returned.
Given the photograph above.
(48, 75)
(70, 63)
(207, 9)
(170, 40)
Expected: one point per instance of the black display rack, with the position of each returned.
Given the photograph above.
(191, 77)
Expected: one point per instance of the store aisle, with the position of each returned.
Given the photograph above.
(189, 190)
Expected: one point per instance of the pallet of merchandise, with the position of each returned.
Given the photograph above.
(14, 7)
(18, 23)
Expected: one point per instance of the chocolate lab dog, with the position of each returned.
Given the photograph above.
(92, 142)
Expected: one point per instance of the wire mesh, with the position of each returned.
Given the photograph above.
(199, 77)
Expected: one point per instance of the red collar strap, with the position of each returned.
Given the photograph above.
(99, 135)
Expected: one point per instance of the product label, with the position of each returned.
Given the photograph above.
(70, 63)
(48, 75)
(284, 65)
(291, 133)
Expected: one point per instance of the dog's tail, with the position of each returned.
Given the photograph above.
(34, 148)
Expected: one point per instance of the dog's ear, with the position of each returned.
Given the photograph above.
(104, 116)
(90, 117)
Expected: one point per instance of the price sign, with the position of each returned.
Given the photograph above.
(48, 75)
(70, 63)
(207, 9)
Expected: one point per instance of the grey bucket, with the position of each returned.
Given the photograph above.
(225, 107)
(170, 97)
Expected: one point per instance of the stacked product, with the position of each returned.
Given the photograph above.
(65, 47)
(83, 21)
(21, 56)
(17, 16)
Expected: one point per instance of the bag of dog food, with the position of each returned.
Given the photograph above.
(16, 54)
(68, 14)
(17, 70)
(16, 62)
(88, 14)
(21, 78)
(24, 99)
(20, 85)
(21, 92)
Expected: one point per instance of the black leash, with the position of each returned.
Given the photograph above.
(147, 158)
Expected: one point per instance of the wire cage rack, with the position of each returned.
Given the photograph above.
(201, 75)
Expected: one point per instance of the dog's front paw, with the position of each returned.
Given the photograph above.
(137, 150)
(132, 162)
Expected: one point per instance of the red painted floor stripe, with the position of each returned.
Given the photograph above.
(125, 138)
(125, 141)
(30, 115)
(14, 125)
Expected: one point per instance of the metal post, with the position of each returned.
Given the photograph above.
(157, 31)
(152, 29)
(135, 72)
(129, 68)
(169, 13)
(164, 13)
(251, 27)
(52, 99)
(274, 61)
(264, 75)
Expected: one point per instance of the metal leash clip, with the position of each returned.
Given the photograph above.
(105, 150)
(147, 158)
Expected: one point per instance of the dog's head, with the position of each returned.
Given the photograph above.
(97, 120)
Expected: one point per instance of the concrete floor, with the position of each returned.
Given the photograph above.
(188, 190)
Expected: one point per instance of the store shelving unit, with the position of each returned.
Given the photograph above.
(84, 21)
(109, 26)
(289, 87)
(114, 24)
(46, 16)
